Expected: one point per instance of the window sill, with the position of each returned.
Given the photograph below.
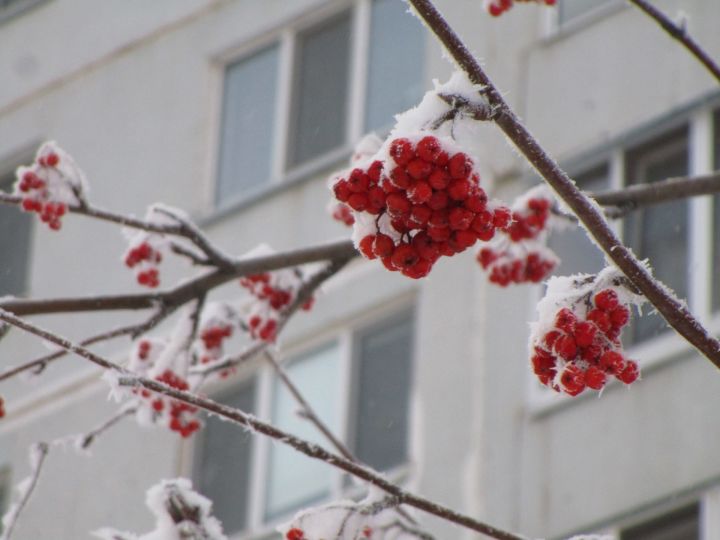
(297, 177)
(557, 32)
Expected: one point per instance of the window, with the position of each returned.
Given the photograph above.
(15, 237)
(660, 232)
(682, 524)
(576, 251)
(716, 215)
(254, 482)
(571, 10)
(346, 75)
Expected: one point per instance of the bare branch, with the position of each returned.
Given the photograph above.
(90, 437)
(680, 33)
(181, 294)
(670, 307)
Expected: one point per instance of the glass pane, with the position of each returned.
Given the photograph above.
(222, 462)
(570, 9)
(293, 479)
(683, 524)
(395, 63)
(715, 276)
(576, 252)
(320, 90)
(247, 125)
(15, 238)
(659, 232)
(383, 366)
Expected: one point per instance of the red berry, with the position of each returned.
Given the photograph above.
(366, 246)
(606, 300)
(429, 148)
(420, 192)
(458, 190)
(401, 151)
(595, 378)
(383, 245)
(612, 362)
(52, 159)
(295, 534)
(404, 256)
(419, 169)
(630, 372)
(565, 347)
(459, 166)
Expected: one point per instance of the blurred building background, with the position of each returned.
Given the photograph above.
(237, 111)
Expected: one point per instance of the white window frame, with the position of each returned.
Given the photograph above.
(554, 29)
(257, 527)
(669, 345)
(281, 174)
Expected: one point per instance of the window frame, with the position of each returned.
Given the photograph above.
(669, 346)
(345, 335)
(287, 37)
(556, 29)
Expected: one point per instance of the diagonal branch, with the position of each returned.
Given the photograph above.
(680, 33)
(669, 306)
(311, 450)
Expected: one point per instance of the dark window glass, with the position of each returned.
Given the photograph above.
(320, 90)
(247, 124)
(577, 253)
(715, 270)
(659, 232)
(382, 367)
(222, 462)
(395, 63)
(15, 238)
(683, 524)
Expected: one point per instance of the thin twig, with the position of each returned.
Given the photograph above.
(659, 295)
(680, 33)
(38, 453)
(90, 437)
(311, 450)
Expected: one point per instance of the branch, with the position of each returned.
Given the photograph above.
(90, 437)
(674, 312)
(38, 453)
(680, 33)
(181, 294)
(249, 421)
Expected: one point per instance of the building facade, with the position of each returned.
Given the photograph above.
(237, 111)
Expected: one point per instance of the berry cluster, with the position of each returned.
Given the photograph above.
(341, 212)
(275, 291)
(212, 336)
(498, 7)
(144, 258)
(180, 417)
(422, 202)
(519, 254)
(295, 534)
(45, 186)
(581, 352)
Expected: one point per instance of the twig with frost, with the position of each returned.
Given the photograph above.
(680, 33)
(84, 441)
(670, 307)
(311, 450)
(304, 293)
(38, 453)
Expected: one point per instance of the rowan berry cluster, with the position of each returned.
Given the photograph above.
(212, 336)
(519, 254)
(341, 212)
(582, 348)
(48, 185)
(274, 291)
(144, 257)
(498, 7)
(418, 203)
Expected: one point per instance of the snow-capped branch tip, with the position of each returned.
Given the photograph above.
(678, 31)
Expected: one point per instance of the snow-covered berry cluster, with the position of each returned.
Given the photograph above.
(213, 333)
(274, 291)
(498, 7)
(147, 359)
(144, 256)
(49, 185)
(519, 253)
(416, 200)
(576, 344)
